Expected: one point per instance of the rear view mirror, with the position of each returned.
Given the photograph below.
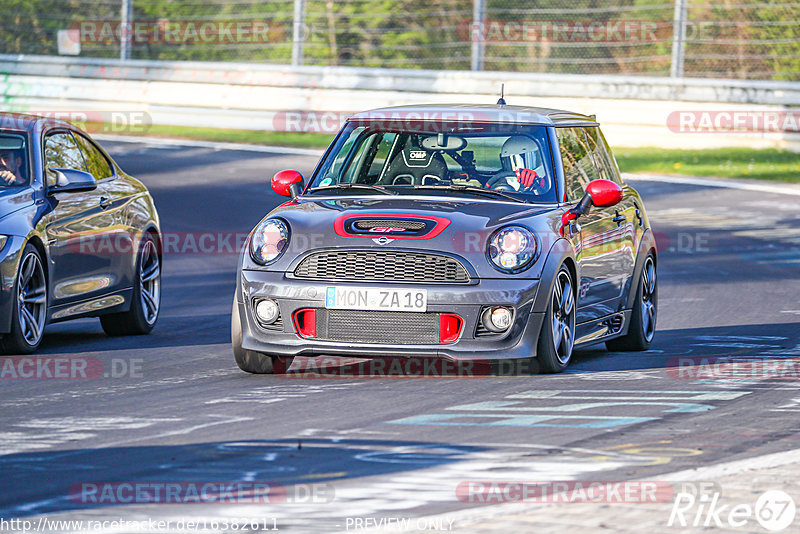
(444, 141)
(72, 180)
(288, 183)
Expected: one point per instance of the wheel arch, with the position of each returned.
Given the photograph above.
(561, 253)
(647, 245)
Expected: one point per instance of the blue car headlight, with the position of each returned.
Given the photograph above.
(511, 249)
(270, 239)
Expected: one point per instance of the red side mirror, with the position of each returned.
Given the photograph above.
(283, 181)
(604, 193)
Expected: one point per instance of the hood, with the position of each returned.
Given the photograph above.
(456, 226)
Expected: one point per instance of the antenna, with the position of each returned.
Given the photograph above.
(502, 101)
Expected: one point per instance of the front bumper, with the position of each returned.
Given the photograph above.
(467, 301)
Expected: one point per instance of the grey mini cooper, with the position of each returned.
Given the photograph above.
(455, 232)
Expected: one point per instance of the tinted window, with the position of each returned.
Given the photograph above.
(61, 152)
(96, 162)
(602, 159)
(608, 157)
(14, 162)
(578, 160)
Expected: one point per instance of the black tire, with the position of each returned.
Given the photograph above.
(29, 308)
(145, 306)
(554, 354)
(251, 361)
(644, 315)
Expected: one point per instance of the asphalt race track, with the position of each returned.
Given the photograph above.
(172, 407)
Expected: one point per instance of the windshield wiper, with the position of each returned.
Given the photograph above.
(472, 189)
(347, 186)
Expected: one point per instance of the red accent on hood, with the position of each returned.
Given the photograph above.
(441, 224)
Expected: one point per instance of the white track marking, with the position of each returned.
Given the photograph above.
(711, 182)
(703, 473)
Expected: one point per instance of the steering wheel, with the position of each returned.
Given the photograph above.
(499, 182)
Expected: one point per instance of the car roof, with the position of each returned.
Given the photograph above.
(479, 113)
(29, 123)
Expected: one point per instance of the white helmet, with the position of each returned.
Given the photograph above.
(519, 152)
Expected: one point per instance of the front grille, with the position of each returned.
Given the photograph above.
(388, 266)
(396, 328)
(366, 224)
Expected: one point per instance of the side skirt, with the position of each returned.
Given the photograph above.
(603, 329)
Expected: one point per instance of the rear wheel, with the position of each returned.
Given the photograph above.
(250, 360)
(643, 317)
(557, 336)
(29, 307)
(146, 299)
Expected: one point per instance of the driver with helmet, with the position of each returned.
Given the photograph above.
(523, 168)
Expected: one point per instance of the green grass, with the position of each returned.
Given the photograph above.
(759, 164)
(254, 137)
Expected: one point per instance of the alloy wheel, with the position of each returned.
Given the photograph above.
(648, 299)
(31, 298)
(150, 281)
(563, 317)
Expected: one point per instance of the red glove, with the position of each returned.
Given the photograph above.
(526, 177)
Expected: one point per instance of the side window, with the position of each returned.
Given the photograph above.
(61, 152)
(381, 153)
(96, 162)
(579, 167)
(602, 160)
(608, 158)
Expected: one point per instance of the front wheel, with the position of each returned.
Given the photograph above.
(557, 336)
(146, 300)
(643, 318)
(29, 313)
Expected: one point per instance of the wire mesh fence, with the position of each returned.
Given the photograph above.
(726, 39)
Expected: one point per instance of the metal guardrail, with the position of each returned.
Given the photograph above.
(406, 80)
(634, 111)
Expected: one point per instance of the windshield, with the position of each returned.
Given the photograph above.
(508, 158)
(13, 160)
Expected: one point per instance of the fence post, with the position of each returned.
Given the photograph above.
(125, 36)
(476, 33)
(678, 38)
(298, 32)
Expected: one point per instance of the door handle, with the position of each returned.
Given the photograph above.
(103, 202)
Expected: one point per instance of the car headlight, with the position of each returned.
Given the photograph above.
(269, 241)
(511, 249)
(3, 239)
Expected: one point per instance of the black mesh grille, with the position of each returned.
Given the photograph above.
(366, 224)
(396, 328)
(389, 266)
